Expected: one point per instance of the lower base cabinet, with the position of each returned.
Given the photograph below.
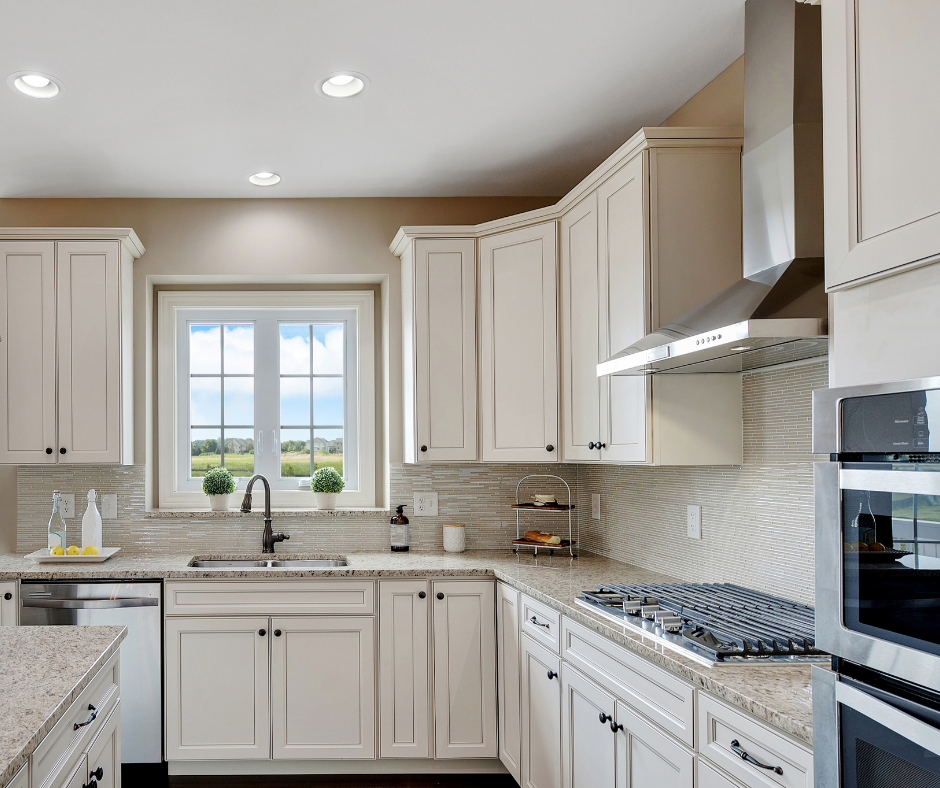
(508, 669)
(541, 716)
(648, 758)
(104, 755)
(710, 777)
(589, 752)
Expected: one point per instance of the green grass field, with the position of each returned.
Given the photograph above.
(292, 465)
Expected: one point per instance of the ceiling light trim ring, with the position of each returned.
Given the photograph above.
(264, 178)
(355, 86)
(18, 84)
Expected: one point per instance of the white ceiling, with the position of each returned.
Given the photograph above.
(186, 98)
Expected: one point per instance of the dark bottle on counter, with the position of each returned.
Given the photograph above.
(400, 531)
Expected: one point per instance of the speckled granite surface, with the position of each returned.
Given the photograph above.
(780, 695)
(44, 669)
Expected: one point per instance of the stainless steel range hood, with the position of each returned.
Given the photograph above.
(779, 311)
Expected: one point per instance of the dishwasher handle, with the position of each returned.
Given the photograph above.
(89, 604)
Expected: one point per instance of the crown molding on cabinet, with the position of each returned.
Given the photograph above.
(125, 235)
(646, 137)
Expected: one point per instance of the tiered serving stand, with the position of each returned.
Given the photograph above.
(566, 544)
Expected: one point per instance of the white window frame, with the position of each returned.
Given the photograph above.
(177, 309)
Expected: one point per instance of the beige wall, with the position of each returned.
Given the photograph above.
(719, 103)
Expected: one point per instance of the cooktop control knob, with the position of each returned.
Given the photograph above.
(631, 606)
(649, 609)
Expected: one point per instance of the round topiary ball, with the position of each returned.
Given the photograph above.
(218, 481)
(327, 480)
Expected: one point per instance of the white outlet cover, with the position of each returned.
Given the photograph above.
(425, 504)
(67, 505)
(694, 521)
(595, 506)
(109, 506)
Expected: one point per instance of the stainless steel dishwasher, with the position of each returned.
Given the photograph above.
(135, 606)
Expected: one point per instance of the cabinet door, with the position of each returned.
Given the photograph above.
(9, 604)
(217, 697)
(464, 669)
(507, 679)
(710, 777)
(105, 752)
(541, 716)
(624, 307)
(404, 676)
(27, 352)
(519, 345)
(323, 687)
(440, 312)
(580, 337)
(882, 206)
(588, 746)
(88, 307)
(78, 777)
(647, 758)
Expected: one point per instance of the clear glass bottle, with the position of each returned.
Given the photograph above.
(400, 531)
(56, 524)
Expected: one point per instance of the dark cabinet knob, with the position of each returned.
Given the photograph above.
(424, 448)
(604, 718)
(62, 450)
(615, 726)
(440, 595)
(591, 445)
(90, 784)
(277, 633)
(552, 674)
(262, 632)
(600, 445)
(549, 447)
(49, 450)
(98, 773)
(8, 596)
(421, 595)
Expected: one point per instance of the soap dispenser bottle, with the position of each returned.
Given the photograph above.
(400, 531)
(91, 524)
(56, 524)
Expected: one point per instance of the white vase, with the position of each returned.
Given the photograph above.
(219, 503)
(326, 501)
(455, 537)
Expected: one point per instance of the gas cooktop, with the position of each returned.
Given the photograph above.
(712, 623)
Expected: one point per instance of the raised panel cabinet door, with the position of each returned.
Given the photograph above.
(623, 315)
(588, 745)
(27, 352)
(580, 338)
(519, 345)
(323, 687)
(882, 206)
(88, 307)
(541, 716)
(104, 755)
(648, 758)
(404, 669)
(464, 634)
(217, 700)
(508, 695)
(710, 777)
(9, 608)
(78, 778)
(445, 308)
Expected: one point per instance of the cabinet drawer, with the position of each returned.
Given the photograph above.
(719, 725)
(541, 623)
(57, 754)
(663, 698)
(268, 597)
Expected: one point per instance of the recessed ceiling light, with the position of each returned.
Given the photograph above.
(264, 178)
(34, 84)
(342, 84)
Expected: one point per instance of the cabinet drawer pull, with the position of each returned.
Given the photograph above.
(98, 773)
(89, 721)
(743, 755)
(552, 674)
(538, 623)
(421, 595)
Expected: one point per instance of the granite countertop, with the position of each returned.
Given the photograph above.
(44, 669)
(780, 695)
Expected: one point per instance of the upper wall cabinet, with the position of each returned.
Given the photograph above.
(879, 137)
(439, 344)
(519, 345)
(65, 346)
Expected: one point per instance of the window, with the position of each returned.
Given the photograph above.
(279, 384)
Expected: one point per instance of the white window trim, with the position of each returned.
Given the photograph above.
(171, 303)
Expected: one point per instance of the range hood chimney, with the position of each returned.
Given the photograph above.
(778, 312)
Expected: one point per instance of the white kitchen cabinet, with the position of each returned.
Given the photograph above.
(648, 758)
(323, 687)
(882, 205)
(541, 716)
(710, 777)
(588, 749)
(9, 604)
(217, 678)
(508, 664)
(464, 627)
(519, 345)
(20, 779)
(439, 308)
(66, 326)
(77, 777)
(104, 755)
(404, 669)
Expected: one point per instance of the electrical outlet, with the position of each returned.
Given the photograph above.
(694, 521)
(67, 505)
(426, 504)
(109, 506)
(595, 506)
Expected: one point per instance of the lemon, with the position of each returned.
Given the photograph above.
(73, 550)
(90, 550)
(56, 550)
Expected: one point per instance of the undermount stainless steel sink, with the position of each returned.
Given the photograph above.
(270, 563)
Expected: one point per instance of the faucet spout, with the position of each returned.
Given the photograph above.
(268, 537)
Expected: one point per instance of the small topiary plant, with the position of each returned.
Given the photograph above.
(327, 480)
(218, 481)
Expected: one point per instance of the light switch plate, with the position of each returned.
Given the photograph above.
(109, 506)
(595, 506)
(694, 521)
(425, 504)
(67, 505)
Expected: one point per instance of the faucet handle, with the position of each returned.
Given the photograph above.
(281, 537)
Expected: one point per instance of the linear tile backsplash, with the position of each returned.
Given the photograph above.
(757, 519)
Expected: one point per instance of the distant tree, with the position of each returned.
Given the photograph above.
(210, 446)
(196, 448)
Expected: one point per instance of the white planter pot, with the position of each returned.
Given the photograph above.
(326, 501)
(455, 537)
(218, 503)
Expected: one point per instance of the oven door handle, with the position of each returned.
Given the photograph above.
(909, 482)
(909, 727)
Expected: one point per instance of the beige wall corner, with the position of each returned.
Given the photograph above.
(719, 103)
(8, 513)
